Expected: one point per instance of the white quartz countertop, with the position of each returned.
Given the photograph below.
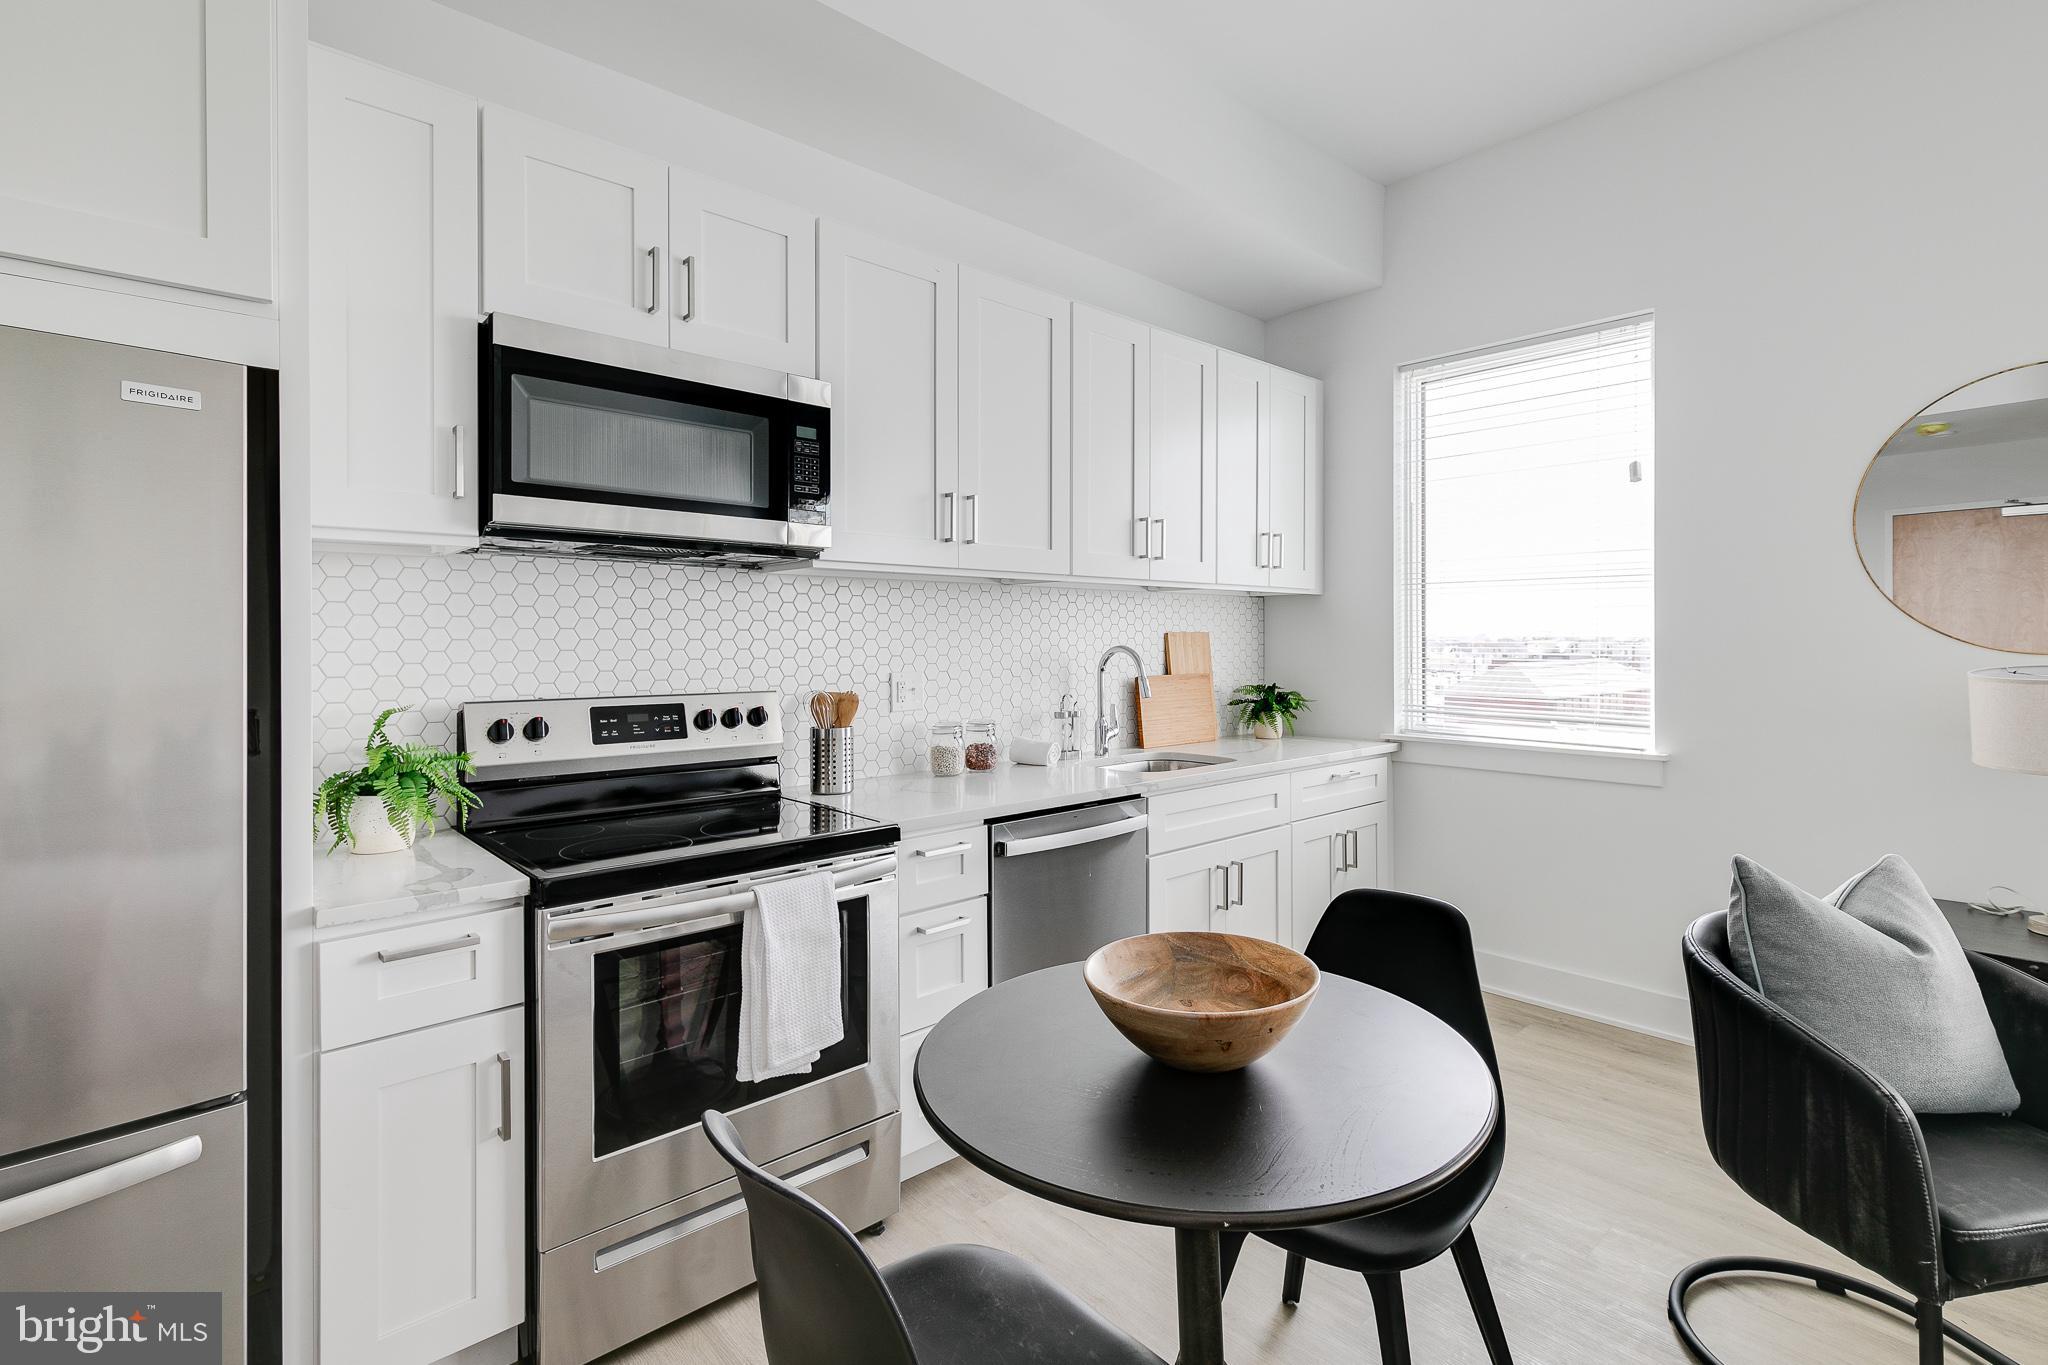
(919, 802)
(437, 873)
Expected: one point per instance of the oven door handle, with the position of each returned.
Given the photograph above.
(721, 909)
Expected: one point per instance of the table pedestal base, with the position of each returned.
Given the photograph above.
(1198, 1276)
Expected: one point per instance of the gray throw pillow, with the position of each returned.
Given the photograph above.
(1874, 969)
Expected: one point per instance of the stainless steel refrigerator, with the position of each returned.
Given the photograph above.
(133, 697)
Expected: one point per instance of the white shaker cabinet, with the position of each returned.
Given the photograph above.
(1293, 484)
(744, 272)
(575, 229)
(1333, 854)
(1015, 433)
(1241, 885)
(422, 1192)
(1268, 476)
(1183, 460)
(888, 344)
(392, 307)
(1114, 534)
(1243, 393)
(139, 140)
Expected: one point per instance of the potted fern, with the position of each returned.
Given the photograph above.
(1267, 709)
(381, 806)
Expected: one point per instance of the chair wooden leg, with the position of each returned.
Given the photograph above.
(1290, 1287)
(1473, 1272)
(1392, 1314)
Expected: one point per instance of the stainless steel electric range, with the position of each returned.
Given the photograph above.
(644, 824)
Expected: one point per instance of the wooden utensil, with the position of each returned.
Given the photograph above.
(1201, 1002)
(1187, 651)
(1181, 710)
(846, 704)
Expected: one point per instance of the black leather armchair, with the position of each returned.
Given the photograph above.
(1942, 1207)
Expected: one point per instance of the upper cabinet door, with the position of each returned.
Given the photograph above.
(575, 229)
(1242, 394)
(888, 345)
(1015, 433)
(392, 307)
(139, 140)
(1115, 535)
(1183, 460)
(745, 275)
(1294, 481)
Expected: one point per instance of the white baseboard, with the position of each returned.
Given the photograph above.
(1587, 996)
(924, 1158)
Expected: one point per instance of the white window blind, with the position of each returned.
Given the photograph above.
(1526, 541)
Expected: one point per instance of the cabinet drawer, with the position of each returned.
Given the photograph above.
(375, 985)
(1184, 819)
(1340, 786)
(942, 958)
(942, 867)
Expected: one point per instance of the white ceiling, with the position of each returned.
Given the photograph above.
(1394, 87)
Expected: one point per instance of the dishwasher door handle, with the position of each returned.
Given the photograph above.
(1045, 843)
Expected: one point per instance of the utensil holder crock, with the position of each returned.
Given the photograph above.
(832, 760)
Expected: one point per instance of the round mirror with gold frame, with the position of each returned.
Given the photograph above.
(1952, 515)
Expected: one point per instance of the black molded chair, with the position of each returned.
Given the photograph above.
(823, 1302)
(1941, 1206)
(1421, 950)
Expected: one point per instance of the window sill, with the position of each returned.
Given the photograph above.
(1534, 760)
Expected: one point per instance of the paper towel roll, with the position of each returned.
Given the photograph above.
(1036, 753)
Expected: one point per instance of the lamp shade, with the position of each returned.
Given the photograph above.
(2009, 718)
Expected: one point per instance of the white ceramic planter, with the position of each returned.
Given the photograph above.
(374, 833)
(1265, 729)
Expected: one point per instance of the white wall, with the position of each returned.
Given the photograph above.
(1833, 229)
(438, 44)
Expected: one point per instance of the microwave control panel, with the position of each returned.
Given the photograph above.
(807, 465)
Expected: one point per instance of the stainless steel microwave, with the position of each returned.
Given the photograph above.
(597, 445)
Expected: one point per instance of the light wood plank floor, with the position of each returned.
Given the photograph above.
(1608, 1191)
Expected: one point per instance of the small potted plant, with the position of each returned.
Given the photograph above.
(381, 806)
(1267, 709)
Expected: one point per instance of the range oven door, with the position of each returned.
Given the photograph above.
(608, 442)
(639, 1035)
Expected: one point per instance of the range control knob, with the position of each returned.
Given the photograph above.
(500, 732)
(732, 718)
(705, 719)
(536, 728)
(758, 716)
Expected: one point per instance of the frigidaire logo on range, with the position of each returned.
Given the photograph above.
(169, 1329)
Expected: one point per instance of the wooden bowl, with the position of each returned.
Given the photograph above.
(1201, 1002)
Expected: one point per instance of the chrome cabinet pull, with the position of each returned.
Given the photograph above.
(505, 1096)
(1351, 837)
(1159, 523)
(1279, 550)
(653, 279)
(1222, 905)
(1345, 776)
(461, 475)
(1238, 867)
(1259, 559)
(944, 851)
(1138, 538)
(427, 950)
(688, 266)
(973, 504)
(951, 926)
(949, 519)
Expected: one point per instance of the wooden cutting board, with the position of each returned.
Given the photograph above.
(1187, 651)
(1181, 710)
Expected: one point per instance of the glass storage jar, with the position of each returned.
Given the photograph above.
(948, 740)
(983, 745)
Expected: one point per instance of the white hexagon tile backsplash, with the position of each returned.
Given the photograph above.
(436, 633)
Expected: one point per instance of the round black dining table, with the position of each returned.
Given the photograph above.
(1368, 1103)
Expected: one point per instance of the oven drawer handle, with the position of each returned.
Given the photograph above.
(1017, 848)
(730, 1207)
(860, 882)
(949, 927)
(80, 1190)
(427, 950)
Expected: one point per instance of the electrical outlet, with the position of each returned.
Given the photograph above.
(906, 693)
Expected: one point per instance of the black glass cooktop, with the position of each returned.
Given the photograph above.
(676, 845)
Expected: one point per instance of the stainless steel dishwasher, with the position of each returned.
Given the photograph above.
(1063, 884)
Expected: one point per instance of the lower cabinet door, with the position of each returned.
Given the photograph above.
(1333, 854)
(1230, 886)
(1184, 890)
(423, 1191)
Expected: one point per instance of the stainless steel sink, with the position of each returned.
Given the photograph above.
(1164, 763)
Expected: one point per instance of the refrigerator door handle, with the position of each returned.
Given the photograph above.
(112, 1178)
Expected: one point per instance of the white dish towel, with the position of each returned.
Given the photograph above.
(789, 977)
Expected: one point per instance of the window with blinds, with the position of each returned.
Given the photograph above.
(1526, 541)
